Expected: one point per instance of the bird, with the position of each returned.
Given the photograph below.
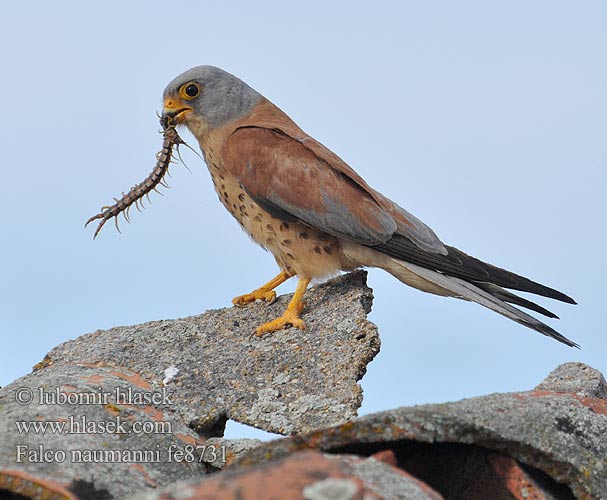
(316, 215)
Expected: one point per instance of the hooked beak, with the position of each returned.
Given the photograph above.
(173, 112)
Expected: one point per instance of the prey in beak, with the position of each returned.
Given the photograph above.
(170, 144)
(173, 112)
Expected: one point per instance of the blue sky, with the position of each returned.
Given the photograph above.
(488, 121)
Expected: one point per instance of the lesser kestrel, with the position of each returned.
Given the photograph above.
(315, 214)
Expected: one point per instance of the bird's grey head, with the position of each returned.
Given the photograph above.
(213, 95)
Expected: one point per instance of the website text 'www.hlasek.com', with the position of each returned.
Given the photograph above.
(119, 419)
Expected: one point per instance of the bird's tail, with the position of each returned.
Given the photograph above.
(486, 294)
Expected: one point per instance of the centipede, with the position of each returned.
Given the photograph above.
(134, 196)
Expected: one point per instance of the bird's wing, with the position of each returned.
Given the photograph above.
(294, 177)
(406, 223)
(292, 183)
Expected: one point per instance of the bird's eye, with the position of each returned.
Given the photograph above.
(190, 91)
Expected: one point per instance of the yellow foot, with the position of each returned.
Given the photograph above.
(290, 317)
(268, 296)
(264, 292)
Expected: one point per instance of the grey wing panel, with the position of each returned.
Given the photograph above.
(411, 227)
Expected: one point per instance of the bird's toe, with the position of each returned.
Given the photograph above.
(268, 296)
(290, 317)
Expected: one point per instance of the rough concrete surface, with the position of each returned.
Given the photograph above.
(286, 382)
(307, 475)
(575, 378)
(136, 448)
(205, 369)
(561, 435)
(545, 444)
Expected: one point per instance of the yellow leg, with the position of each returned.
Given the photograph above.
(264, 292)
(291, 314)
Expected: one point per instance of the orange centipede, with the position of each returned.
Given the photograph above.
(138, 191)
